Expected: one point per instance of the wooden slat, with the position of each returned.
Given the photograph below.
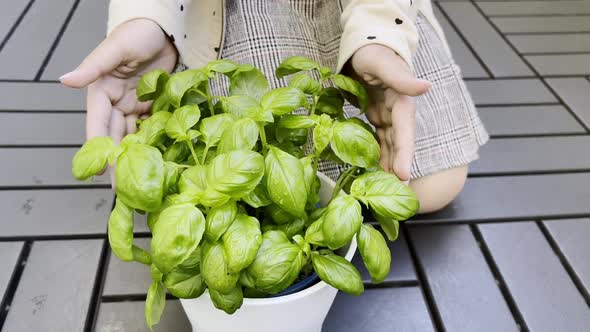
(460, 280)
(9, 252)
(23, 54)
(522, 197)
(470, 67)
(57, 282)
(572, 238)
(542, 24)
(41, 167)
(127, 278)
(42, 128)
(491, 48)
(509, 91)
(23, 96)
(380, 310)
(11, 10)
(130, 317)
(534, 7)
(567, 64)
(539, 154)
(54, 212)
(575, 92)
(85, 31)
(528, 120)
(544, 293)
(575, 42)
(402, 268)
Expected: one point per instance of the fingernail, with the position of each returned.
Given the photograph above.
(64, 76)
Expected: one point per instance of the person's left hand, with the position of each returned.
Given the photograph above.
(392, 110)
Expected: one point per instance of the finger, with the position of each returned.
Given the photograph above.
(98, 114)
(131, 123)
(104, 59)
(396, 74)
(385, 159)
(404, 135)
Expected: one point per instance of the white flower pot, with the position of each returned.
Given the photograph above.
(303, 311)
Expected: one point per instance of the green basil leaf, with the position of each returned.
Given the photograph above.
(285, 100)
(285, 181)
(242, 134)
(294, 65)
(248, 81)
(172, 173)
(229, 302)
(241, 242)
(353, 91)
(221, 66)
(375, 252)
(177, 152)
(355, 145)
(305, 83)
(389, 226)
(180, 82)
(385, 194)
(194, 96)
(154, 304)
(328, 154)
(277, 263)
(304, 245)
(152, 130)
(152, 217)
(342, 220)
(155, 273)
(330, 102)
(212, 198)
(257, 197)
(92, 158)
(364, 125)
(193, 178)
(184, 285)
(297, 137)
(151, 84)
(235, 173)
(121, 231)
(292, 228)
(213, 127)
(214, 268)
(323, 133)
(246, 279)
(291, 121)
(161, 104)
(181, 121)
(176, 235)
(219, 219)
(140, 177)
(325, 72)
(277, 214)
(338, 273)
(240, 106)
(312, 181)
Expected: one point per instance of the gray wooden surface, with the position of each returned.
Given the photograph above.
(461, 283)
(511, 251)
(534, 274)
(55, 289)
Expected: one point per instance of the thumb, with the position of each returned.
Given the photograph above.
(104, 59)
(395, 73)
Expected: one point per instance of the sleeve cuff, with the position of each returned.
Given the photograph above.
(166, 13)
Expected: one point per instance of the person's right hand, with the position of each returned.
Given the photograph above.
(112, 71)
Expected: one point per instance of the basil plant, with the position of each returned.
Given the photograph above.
(230, 185)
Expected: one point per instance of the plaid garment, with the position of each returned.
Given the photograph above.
(263, 32)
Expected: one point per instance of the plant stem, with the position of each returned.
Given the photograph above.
(262, 135)
(314, 105)
(190, 146)
(343, 181)
(205, 154)
(209, 98)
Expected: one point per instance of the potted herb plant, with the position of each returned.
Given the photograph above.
(239, 215)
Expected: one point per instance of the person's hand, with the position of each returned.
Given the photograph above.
(391, 86)
(112, 71)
